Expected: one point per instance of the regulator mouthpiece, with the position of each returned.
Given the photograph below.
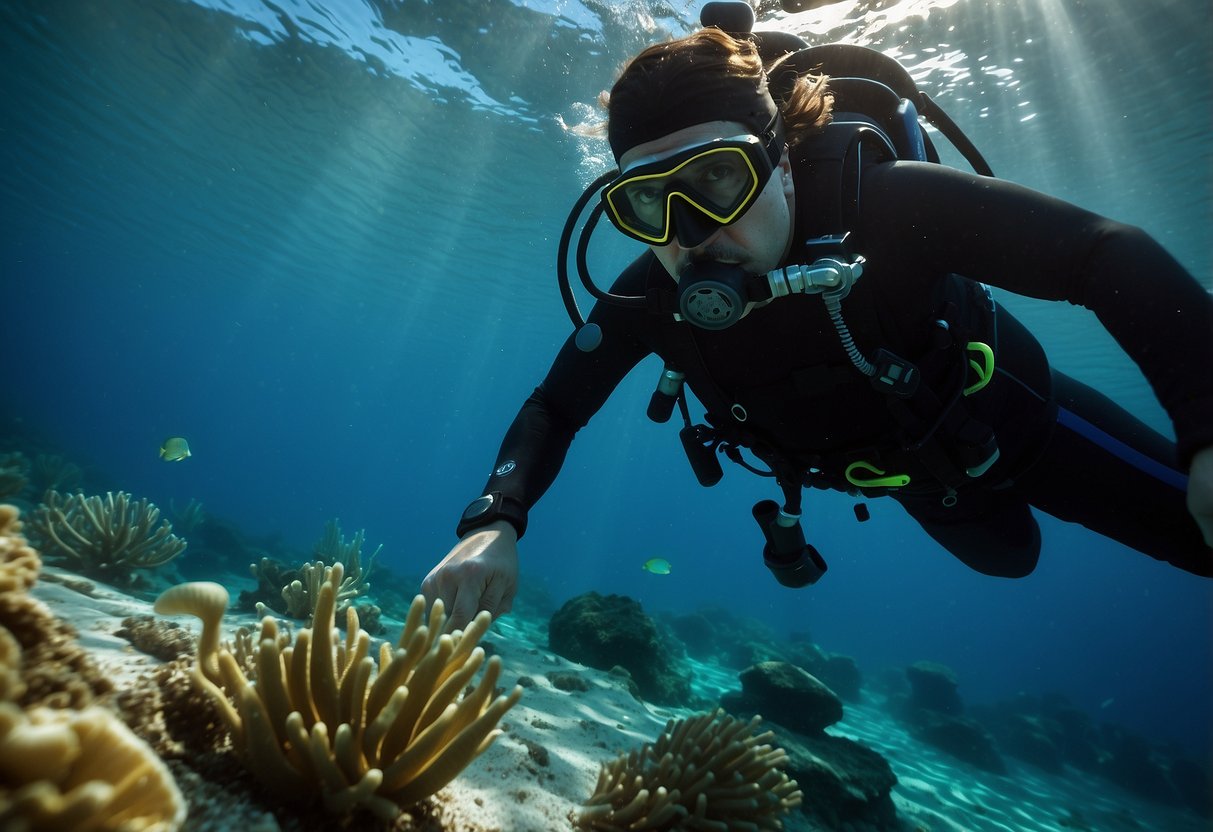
(712, 295)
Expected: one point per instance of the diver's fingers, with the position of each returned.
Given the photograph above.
(497, 599)
(441, 585)
(461, 584)
(463, 608)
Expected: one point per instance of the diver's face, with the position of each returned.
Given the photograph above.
(758, 241)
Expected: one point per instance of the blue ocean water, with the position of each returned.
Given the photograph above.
(318, 239)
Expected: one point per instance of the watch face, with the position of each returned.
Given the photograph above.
(478, 507)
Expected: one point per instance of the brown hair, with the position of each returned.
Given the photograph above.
(709, 76)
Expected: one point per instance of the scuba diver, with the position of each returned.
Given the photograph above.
(811, 273)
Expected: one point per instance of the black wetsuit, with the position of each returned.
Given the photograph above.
(1064, 448)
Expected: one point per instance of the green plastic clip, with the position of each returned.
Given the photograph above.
(983, 368)
(879, 481)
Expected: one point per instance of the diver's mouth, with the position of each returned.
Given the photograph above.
(724, 261)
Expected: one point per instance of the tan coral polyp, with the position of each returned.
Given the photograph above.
(316, 720)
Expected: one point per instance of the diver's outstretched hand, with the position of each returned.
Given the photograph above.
(1200, 492)
(480, 573)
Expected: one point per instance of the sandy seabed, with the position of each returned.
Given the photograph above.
(546, 763)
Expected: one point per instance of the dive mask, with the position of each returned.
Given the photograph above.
(690, 193)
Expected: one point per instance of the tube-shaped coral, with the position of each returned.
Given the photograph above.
(332, 548)
(105, 537)
(707, 772)
(320, 718)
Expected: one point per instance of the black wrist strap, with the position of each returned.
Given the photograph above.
(490, 508)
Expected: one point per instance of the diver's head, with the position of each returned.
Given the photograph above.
(701, 147)
(716, 197)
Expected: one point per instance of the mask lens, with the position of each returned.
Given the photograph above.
(719, 180)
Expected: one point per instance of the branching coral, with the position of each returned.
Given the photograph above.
(66, 768)
(706, 772)
(316, 720)
(302, 594)
(105, 537)
(332, 548)
(301, 588)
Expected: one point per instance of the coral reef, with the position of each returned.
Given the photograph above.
(294, 592)
(273, 576)
(69, 767)
(315, 721)
(706, 772)
(332, 548)
(303, 593)
(104, 537)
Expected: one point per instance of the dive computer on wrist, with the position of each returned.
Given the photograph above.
(490, 508)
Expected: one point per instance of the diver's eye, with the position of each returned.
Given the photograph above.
(643, 195)
(724, 175)
(724, 171)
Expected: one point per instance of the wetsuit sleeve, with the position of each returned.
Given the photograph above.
(576, 386)
(1033, 244)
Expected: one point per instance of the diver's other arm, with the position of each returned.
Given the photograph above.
(1036, 245)
(1200, 491)
(479, 573)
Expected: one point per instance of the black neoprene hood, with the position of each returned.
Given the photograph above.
(665, 90)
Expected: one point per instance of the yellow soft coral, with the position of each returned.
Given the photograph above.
(78, 769)
(315, 718)
(707, 772)
(19, 564)
(81, 770)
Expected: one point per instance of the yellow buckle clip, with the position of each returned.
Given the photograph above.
(879, 481)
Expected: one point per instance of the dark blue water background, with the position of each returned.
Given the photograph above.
(318, 241)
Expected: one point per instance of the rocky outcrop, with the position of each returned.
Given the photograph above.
(611, 631)
(934, 713)
(846, 785)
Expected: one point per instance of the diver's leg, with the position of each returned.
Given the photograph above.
(990, 531)
(1107, 470)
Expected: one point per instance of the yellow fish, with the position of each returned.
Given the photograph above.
(658, 566)
(174, 449)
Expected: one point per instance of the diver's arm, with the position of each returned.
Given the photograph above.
(1033, 244)
(481, 571)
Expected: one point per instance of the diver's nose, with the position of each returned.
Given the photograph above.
(692, 228)
(695, 252)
